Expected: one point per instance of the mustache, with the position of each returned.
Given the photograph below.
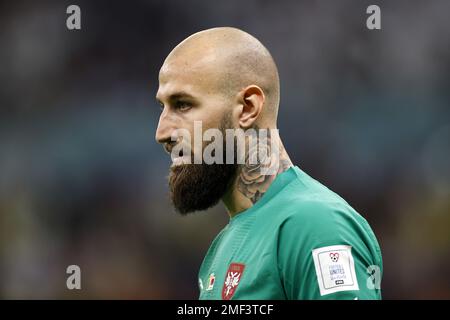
(168, 147)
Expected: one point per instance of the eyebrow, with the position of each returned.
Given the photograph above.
(177, 96)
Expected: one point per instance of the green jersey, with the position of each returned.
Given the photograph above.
(299, 241)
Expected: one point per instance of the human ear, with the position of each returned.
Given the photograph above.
(252, 100)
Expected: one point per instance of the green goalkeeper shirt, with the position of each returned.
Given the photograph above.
(299, 241)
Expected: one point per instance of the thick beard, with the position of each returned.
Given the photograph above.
(197, 187)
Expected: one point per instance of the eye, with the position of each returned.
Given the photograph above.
(183, 105)
(161, 105)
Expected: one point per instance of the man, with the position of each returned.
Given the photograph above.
(289, 237)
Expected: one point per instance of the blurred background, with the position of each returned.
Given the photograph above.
(82, 180)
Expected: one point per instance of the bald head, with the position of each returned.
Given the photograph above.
(226, 60)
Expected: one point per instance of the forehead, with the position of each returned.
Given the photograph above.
(197, 77)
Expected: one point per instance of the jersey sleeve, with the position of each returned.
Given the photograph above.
(328, 251)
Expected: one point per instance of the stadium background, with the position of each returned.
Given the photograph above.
(82, 180)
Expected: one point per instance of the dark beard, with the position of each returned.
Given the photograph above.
(197, 187)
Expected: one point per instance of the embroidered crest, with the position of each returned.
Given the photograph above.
(232, 279)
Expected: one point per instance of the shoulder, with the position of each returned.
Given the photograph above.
(319, 223)
(320, 216)
(307, 211)
(315, 214)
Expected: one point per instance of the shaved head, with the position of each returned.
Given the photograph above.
(226, 60)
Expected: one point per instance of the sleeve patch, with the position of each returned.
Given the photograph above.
(335, 269)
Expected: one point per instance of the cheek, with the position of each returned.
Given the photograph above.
(210, 114)
(197, 142)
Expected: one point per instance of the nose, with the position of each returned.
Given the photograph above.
(165, 128)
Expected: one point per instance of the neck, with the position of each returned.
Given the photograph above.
(250, 185)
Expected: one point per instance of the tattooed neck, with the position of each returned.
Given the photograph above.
(264, 161)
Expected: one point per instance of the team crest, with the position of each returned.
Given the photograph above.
(232, 279)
